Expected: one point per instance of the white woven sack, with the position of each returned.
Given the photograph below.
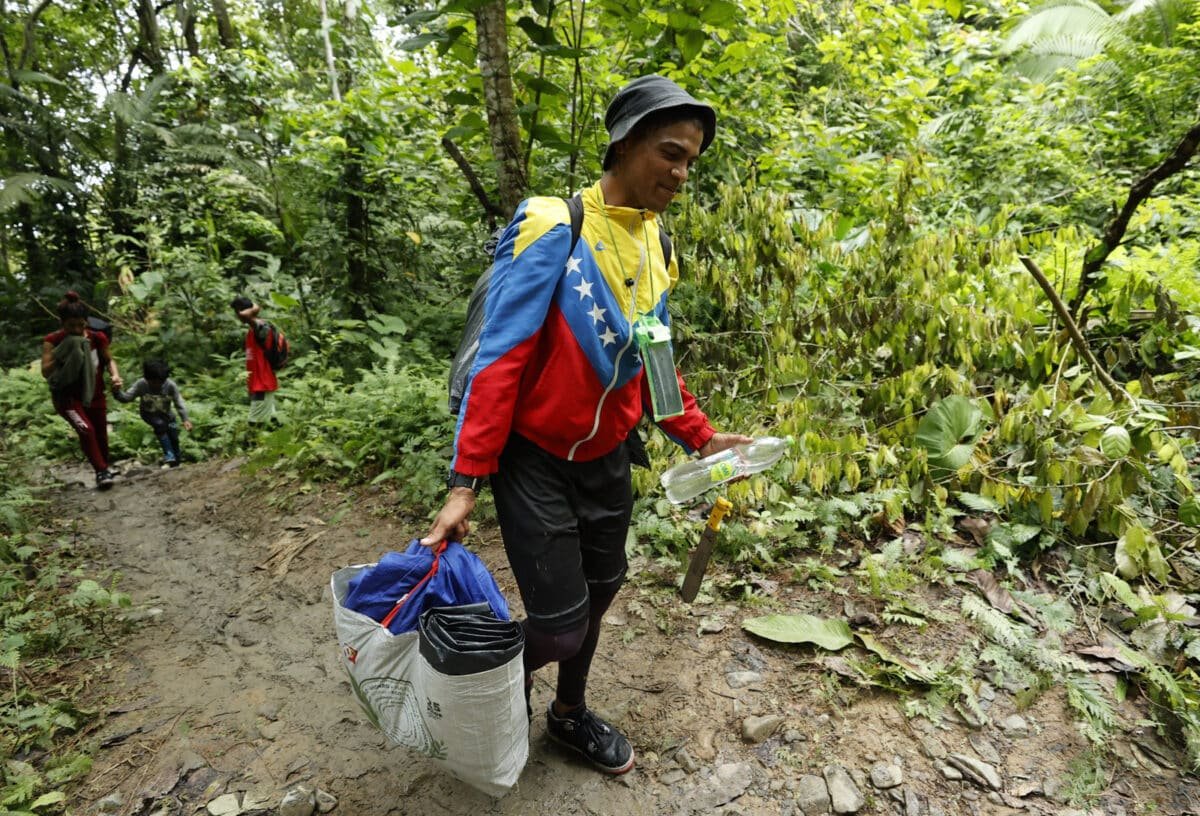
(474, 725)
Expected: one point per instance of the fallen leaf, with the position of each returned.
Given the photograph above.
(996, 595)
(977, 527)
(1110, 654)
(912, 670)
(827, 633)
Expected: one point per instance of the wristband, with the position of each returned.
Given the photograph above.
(457, 479)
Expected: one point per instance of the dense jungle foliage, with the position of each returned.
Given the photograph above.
(858, 249)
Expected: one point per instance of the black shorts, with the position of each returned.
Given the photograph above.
(564, 526)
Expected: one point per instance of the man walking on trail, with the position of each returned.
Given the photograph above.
(558, 384)
(260, 377)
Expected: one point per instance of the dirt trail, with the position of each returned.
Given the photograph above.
(231, 684)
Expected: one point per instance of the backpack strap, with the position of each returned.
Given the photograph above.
(665, 240)
(575, 207)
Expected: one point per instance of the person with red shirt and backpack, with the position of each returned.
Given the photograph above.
(266, 351)
(74, 359)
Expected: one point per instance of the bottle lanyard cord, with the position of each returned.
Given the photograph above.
(641, 266)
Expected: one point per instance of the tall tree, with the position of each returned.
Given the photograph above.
(504, 128)
(226, 34)
(150, 44)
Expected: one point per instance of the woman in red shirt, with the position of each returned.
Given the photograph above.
(86, 413)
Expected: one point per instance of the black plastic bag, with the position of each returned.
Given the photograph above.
(468, 639)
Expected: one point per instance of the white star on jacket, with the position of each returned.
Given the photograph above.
(573, 265)
(584, 288)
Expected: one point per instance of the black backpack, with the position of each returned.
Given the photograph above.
(274, 344)
(100, 326)
(468, 346)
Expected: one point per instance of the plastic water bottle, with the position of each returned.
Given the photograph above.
(689, 479)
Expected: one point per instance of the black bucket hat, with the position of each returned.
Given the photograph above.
(646, 95)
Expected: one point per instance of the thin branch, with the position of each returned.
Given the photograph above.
(30, 24)
(1118, 393)
(1139, 192)
(493, 210)
(127, 80)
(330, 64)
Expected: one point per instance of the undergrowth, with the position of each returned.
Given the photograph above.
(56, 620)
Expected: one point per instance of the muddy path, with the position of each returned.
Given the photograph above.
(228, 693)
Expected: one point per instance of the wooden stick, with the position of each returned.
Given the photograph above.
(1118, 393)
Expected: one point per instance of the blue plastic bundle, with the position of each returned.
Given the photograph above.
(421, 578)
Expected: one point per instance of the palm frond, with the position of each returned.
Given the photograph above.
(1155, 21)
(137, 109)
(1044, 58)
(1070, 18)
(24, 188)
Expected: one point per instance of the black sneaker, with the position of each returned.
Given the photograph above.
(602, 745)
(104, 480)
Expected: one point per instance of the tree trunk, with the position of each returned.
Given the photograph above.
(330, 62)
(187, 22)
(491, 28)
(358, 278)
(151, 43)
(225, 33)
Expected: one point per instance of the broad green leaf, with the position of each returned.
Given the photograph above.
(52, 798)
(824, 632)
(420, 41)
(284, 301)
(1189, 512)
(418, 17)
(1115, 442)
(1089, 422)
(388, 324)
(949, 432)
(461, 98)
(682, 21)
(980, 504)
(691, 43)
(537, 33)
(1122, 591)
(545, 86)
(1128, 553)
(718, 13)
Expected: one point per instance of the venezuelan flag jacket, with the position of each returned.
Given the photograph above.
(557, 362)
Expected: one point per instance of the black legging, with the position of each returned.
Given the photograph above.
(573, 650)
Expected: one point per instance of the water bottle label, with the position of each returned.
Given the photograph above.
(721, 471)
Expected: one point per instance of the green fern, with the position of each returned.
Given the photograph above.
(891, 615)
(996, 626)
(1013, 674)
(1097, 717)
